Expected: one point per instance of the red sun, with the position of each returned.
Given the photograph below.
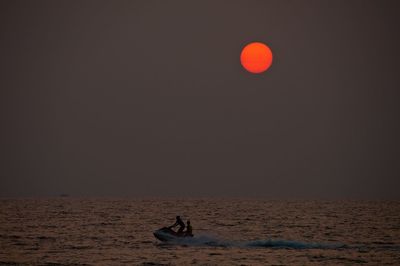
(256, 57)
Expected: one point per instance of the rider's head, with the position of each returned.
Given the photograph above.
(178, 217)
(188, 222)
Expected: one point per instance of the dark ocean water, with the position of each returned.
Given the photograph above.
(73, 231)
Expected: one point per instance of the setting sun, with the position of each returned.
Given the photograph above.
(256, 57)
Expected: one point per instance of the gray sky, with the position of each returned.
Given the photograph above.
(148, 98)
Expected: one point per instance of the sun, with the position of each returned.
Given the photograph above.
(256, 57)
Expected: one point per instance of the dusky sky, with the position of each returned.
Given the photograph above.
(148, 98)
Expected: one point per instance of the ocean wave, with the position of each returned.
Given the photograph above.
(205, 240)
(277, 243)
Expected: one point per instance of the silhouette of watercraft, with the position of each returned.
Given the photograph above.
(166, 234)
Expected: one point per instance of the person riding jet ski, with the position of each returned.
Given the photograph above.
(180, 223)
(189, 229)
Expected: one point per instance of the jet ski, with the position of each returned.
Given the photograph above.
(166, 234)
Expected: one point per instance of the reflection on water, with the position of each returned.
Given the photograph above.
(227, 232)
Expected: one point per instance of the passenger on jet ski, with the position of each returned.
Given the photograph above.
(180, 223)
(189, 229)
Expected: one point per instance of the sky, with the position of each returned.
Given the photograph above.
(149, 99)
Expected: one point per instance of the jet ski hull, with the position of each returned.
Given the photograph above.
(166, 234)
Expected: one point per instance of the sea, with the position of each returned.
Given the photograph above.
(228, 231)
